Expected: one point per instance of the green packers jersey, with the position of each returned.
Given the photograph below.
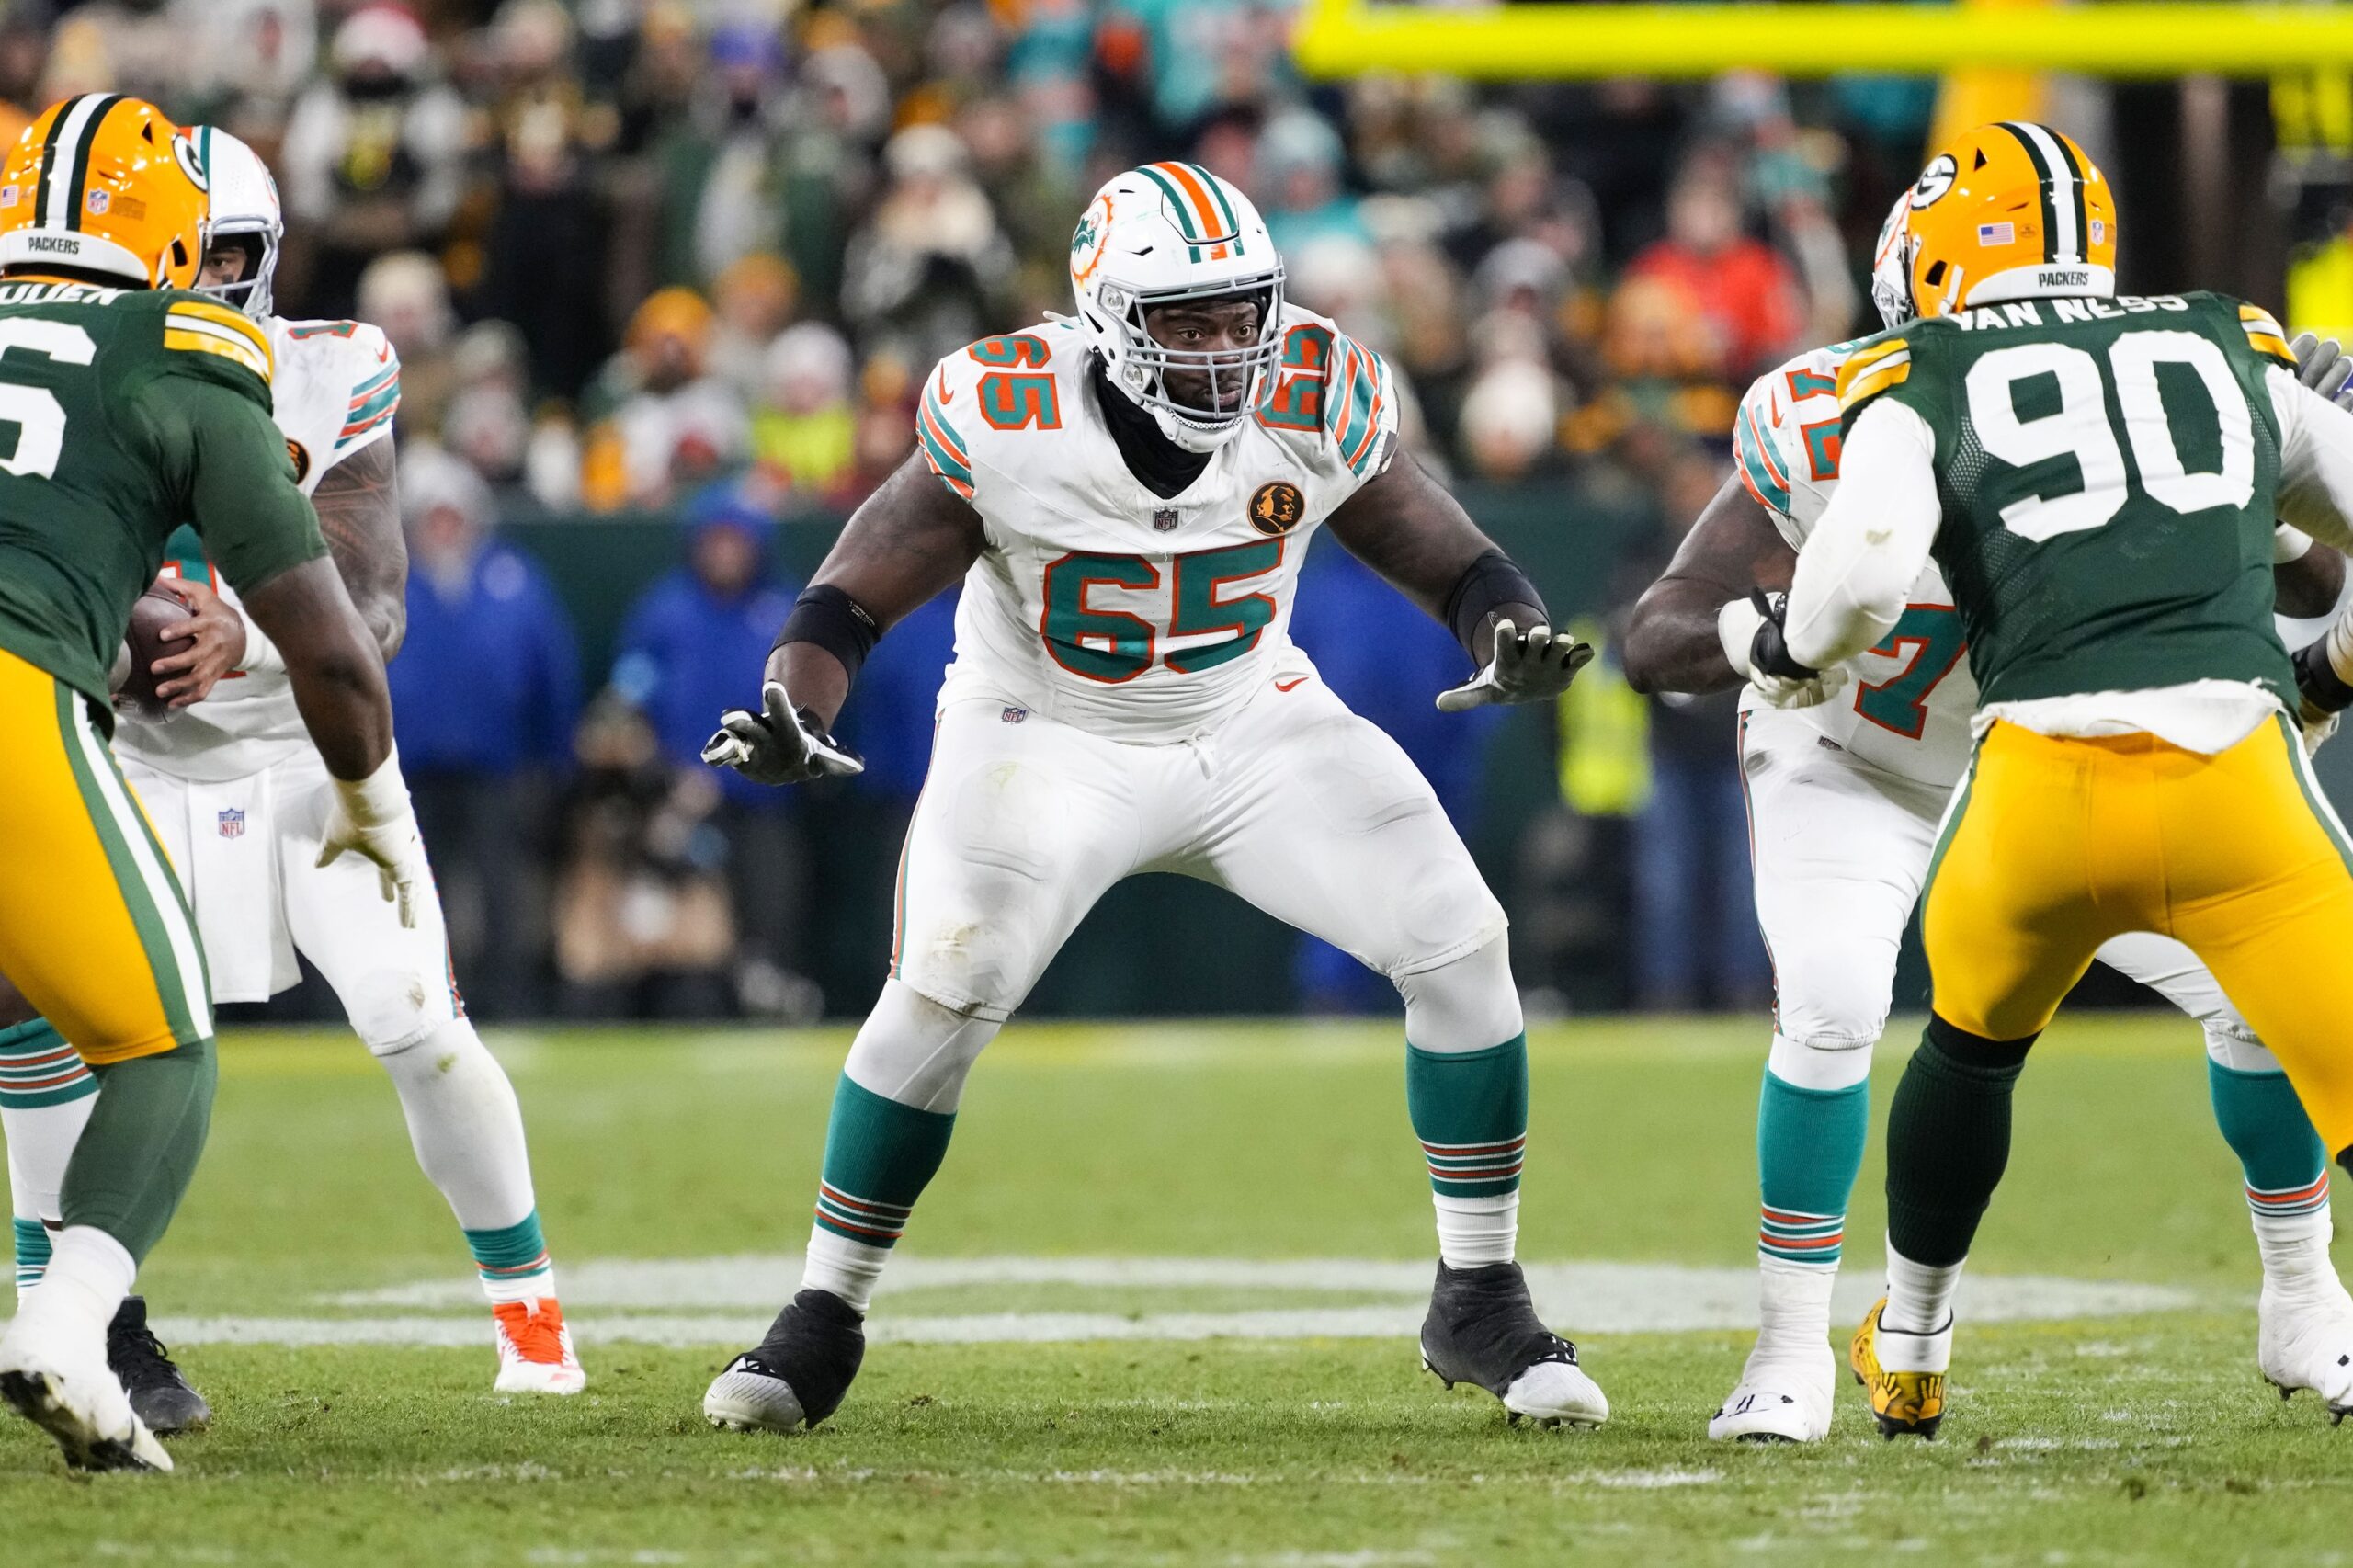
(2106, 470)
(123, 414)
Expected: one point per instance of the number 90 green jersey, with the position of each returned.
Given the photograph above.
(2106, 471)
(124, 413)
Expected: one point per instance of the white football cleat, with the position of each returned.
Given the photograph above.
(53, 1371)
(535, 1353)
(2305, 1341)
(1782, 1398)
(1557, 1393)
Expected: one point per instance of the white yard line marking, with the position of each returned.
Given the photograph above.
(728, 1301)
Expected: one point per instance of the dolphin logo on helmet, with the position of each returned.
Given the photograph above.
(1159, 235)
(245, 210)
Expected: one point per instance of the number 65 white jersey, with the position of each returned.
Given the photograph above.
(1909, 707)
(1100, 604)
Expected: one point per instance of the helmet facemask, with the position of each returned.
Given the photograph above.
(251, 292)
(1891, 267)
(1228, 383)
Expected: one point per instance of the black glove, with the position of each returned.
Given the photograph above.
(1769, 652)
(783, 744)
(2324, 692)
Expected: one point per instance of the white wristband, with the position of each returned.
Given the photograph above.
(2289, 544)
(1737, 626)
(262, 656)
(382, 797)
(2340, 648)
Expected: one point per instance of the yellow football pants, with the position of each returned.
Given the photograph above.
(93, 927)
(2053, 845)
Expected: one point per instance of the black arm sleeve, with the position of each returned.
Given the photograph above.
(1487, 582)
(836, 622)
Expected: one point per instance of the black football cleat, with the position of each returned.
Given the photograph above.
(797, 1375)
(160, 1395)
(1482, 1329)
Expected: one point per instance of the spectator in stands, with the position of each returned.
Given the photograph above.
(1739, 286)
(406, 294)
(373, 159)
(643, 929)
(544, 256)
(669, 422)
(687, 648)
(752, 301)
(484, 693)
(804, 432)
(929, 271)
(1298, 183)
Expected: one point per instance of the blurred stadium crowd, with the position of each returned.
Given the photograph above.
(653, 256)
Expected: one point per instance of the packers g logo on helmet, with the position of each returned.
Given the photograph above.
(105, 183)
(2011, 211)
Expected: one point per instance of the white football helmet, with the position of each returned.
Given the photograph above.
(1892, 265)
(245, 210)
(1158, 234)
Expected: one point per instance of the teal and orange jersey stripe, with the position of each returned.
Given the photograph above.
(1203, 215)
(944, 450)
(2288, 1202)
(1795, 1237)
(861, 1218)
(373, 402)
(1759, 475)
(1475, 1170)
(1359, 395)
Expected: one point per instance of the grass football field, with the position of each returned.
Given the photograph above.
(1158, 1308)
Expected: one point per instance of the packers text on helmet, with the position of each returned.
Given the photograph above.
(2010, 210)
(104, 183)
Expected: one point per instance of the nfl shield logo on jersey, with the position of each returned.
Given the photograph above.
(233, 822)
(1163, 519)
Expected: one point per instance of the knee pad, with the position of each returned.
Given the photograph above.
(915, 1052)
(392, 1009)
(1829, 1000)
(1467, 1004)
(1821, 1063)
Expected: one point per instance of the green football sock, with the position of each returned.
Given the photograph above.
(139, 1152)
(1948, 1140)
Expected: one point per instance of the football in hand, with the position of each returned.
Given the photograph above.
(153, 611)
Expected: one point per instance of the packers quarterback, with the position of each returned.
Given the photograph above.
(1844, 794)
(137, 407)
(1127, 495)
(236, 791)
(2097, 477)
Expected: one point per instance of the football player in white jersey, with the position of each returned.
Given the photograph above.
(1126, 495)
(238, 794)
(1845, 790)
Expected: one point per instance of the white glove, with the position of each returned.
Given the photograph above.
(2324, 367)
(372, 818)
(1532, 666)
(1736, 628)
(783, 744)
(2316, 733)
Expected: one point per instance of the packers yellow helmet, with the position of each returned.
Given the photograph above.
(104, 183)
(2011, 211)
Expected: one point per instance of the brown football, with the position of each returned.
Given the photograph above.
(150, 613)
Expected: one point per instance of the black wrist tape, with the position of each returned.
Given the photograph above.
(1485, 585)
(836, 622)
